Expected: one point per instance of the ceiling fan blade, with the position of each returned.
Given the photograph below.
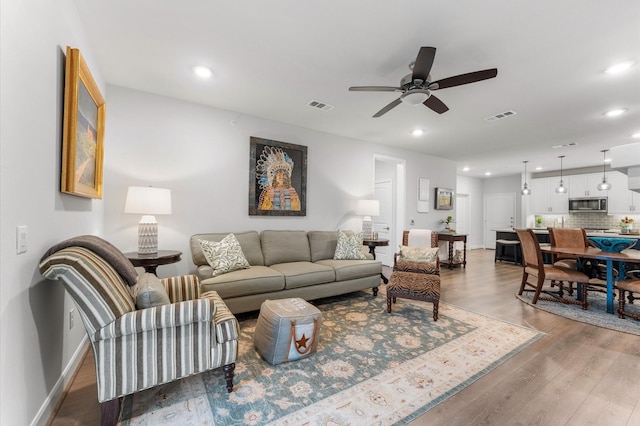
(435, 104)
(461, 79)
(374, 89)
(423, 63)
(388, 108)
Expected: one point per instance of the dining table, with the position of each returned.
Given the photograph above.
(620, 258)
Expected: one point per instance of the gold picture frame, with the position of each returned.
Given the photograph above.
(83, 130)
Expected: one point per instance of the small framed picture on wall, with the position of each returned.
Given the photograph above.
(444, 199)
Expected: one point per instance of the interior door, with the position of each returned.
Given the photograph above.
(499, 213)
(462, 218)
(383, 224)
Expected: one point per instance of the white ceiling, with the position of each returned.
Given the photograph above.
(271, 58)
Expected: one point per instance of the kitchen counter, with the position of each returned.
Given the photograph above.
(543, 231)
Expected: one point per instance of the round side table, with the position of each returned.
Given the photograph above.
(151, 261)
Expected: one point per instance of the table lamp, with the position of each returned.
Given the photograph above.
(148, 201)
(368, 208)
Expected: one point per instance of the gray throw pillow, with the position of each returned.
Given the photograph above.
(150, 292)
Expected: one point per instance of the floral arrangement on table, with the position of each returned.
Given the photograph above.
(625, 223)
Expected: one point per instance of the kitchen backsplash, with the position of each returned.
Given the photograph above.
(586, 220)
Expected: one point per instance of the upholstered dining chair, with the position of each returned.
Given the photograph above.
(567, 237)
(178, 333)
(534, 267)
(416, 270)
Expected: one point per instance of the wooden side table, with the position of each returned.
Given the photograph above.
(451, 238)
(372, 244)
(151, 261)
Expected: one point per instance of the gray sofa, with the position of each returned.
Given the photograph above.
(284, 264)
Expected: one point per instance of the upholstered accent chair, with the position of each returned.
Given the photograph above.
(417, 279)
(134, 348)
(534, 267)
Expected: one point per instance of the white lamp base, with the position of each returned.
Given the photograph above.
(147, 235)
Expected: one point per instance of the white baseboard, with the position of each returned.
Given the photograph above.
(49, 404)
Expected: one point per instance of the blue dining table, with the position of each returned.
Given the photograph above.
(621, 258)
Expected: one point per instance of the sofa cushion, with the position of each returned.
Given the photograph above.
(150, 292)
(351, 269)
(322, 244)
(224, 256)
(249, 242)
(244, 282)
(303, 274)
(349, 246)
(285, 246)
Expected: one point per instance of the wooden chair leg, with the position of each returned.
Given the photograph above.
(525, 277)
(538, 290)
(389, 303)
(435, 310)
(110, 412)
(228, 375)
(621, 304)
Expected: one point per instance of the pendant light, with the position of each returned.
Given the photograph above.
(525, 187)
(561, 189)
(604, 185)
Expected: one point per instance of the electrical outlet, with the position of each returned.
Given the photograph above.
(71, 318)
(21, 239)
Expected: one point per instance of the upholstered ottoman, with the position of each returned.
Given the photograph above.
(287, 330)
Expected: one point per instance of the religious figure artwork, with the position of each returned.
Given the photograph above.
(277, 178)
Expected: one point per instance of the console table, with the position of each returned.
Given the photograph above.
(450, 239)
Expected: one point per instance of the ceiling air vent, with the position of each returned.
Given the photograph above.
(322, 106)
(564, 145)
(501, 115)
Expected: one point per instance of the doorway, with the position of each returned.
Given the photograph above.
(499, 213)
(389, 188)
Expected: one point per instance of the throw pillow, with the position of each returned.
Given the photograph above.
(419, 254)
(224, 256)
(150, 292)
(349, 247)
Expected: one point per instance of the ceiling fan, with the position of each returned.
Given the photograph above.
(416, 87)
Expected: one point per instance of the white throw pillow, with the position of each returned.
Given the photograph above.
(224, 256)
(419, 254)
(349, 247)
(150, 292)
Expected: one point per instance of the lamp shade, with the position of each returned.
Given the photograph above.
(148, 200)
(368, 208)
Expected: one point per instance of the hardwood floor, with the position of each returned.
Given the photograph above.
(575, 375)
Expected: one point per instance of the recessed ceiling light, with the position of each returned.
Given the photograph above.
(539, 168)
(202, 71)
(607, 160)
(636, 135)
(618, 68)
(487, 173)
(465, 169)
(615, 112)
(418, 132)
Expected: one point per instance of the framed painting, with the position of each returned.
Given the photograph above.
(423, 195)
(83, 130)
(277, 178)
(444, 199)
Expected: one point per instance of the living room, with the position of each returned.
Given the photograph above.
(200, 152)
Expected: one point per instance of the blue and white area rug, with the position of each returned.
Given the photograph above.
(595, 315)
(371, 367)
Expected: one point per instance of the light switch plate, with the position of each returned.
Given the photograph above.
(21, 239)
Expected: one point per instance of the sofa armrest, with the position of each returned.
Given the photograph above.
(182, 288)
(158, 317)
(226, 324)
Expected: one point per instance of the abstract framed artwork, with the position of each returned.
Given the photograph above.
(444, 199)
(83, 130)
(423, 195)
(277, 178)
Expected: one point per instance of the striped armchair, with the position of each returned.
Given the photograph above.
(138, 349)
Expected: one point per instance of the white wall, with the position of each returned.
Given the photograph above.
(473, 188)
(203, 157)
(37, 345)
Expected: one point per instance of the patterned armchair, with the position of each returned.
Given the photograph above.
(136, 349)
(417, 275)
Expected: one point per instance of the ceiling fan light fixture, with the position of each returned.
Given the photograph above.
(415, 97)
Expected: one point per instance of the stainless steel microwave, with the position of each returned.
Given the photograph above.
(584, 205)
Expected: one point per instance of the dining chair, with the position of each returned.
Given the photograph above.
(631, 285)
(534, 267)
(567, 237)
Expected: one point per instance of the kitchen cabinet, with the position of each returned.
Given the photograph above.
(622, 200)
(585, 185)
(545, 199)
